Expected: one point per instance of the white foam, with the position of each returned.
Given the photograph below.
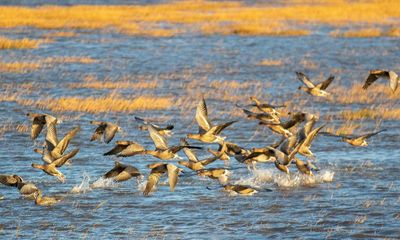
(84, 186)
(104, 183)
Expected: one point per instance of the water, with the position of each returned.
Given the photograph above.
(355, 195)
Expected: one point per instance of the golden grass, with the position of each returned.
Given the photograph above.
(167, 19)
(360, 33)
(355, 94)
(18, 67)
(231, 84)
(111, 103)
(369, 113)
(116, 84)
(7, 43)
(347, 127)
(270, 63)
(22, 67)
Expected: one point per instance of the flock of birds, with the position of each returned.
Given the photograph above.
(296, 139)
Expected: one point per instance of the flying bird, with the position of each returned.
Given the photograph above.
(374, 75)
(38, 122)
(314, 90)
(207, 132)
(26, 189)
(355, 140)
(105, 130)
(122, 172)
(126, 149)
(158, 170)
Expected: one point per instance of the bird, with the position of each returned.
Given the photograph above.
(265, 116)
(215, 173)
(355, 140)
(230, 150)
(122, 172)
(305, 168)
(126, 149)
(284, 128)
(159, 169)
(162, 150)
(51, 168)
(107, 130)
(163, 131)
(207, 132)
(39, 121)
(314, 90)
(26, 189)
(265, 107)
(51, 152)
(240, 189)
(285, 157)
(374, 75)
(307, 135)
(194, 163)
(45, 201)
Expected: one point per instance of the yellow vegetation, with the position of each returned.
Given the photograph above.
(7, 43)
(111, 103)
(360, 33)
(21, 67)
(116, 84)
(367, 113)
(18, 67)
(270, 62)
(225, 17)
(355, 94)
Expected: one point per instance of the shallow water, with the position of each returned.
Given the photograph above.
(355, 195)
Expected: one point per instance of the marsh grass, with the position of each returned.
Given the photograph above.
(372, 113)
(27, 66)
(271, 62)
(110, 103)
(355, 94)
(227, 17)
(7, 43)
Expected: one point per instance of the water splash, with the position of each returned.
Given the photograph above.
(260, 177)
(104, 183)
(84, 186)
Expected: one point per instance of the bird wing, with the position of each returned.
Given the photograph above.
(310, 137)
(326, 83)
(394, 80)
(373, 76)
(305, 80)
(189, 153)
(159, 141)
(37, 126)
(173, 172)
(62, 160)
(368, 135)
(117, 169)
(51, 135)
(152, 180)
(109, 132)
(132, 149)
(98, 133)
(202, 117)
(288, 144)
(218, 129)
(117, 149)
(279, 155)
(8, 180)
(63, 144)
(211, 159)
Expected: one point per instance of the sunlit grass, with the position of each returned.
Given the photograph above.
(18, 67)
(271, 62)
(7, 43)
(171, 18)
(27, 66)
(110, 103)
(116, 84)
(360, 33)
(367, 113)
(355, 94)
(60, 34)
